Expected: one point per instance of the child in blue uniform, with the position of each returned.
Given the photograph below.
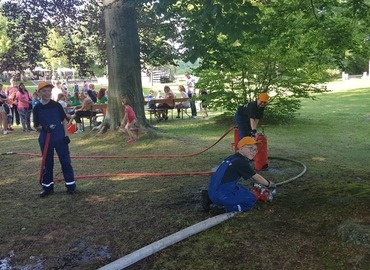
(49, 116)
(224, 188)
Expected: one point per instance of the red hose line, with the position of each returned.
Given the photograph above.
(144, 156)
(44, 153)
(138, 156)
(136, 174)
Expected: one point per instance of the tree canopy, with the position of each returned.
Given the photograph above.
(285, 47)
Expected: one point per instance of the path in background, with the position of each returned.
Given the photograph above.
(349, 84)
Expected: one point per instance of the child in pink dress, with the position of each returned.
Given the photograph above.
(129, 120)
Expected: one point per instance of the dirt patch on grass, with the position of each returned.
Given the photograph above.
(356, 233)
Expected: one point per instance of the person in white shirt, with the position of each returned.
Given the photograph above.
(56, 91)
(190, 82)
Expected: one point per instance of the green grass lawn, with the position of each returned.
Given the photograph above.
(319, 221)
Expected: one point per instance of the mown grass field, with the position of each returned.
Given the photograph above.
(319, 221)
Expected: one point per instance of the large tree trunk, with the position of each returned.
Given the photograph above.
(123, 54)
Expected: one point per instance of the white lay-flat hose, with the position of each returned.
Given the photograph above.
(167, 241)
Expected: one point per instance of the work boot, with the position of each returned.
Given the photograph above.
(206, 201)
(71, 190)
(46, 192)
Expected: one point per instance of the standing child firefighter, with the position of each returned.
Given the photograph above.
(50, 120)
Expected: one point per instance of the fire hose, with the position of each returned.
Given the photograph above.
(44, 153)
(142, 174)
(135, 156)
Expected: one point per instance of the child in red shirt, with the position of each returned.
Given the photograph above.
(129, 120)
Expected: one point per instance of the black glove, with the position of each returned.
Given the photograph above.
(253, 133)
(67, 140)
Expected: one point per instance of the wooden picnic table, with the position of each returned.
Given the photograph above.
(170, 101)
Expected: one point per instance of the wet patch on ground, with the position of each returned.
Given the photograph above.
(78, 256)
(355, 233)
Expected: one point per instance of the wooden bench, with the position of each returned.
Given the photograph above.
(99, 109)
(184, 109)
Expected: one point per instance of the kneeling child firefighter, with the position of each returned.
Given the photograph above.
(224, 188)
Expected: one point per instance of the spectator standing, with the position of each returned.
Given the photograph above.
(49, 117)
(248, 116)
(35, 99)
(24, 101)
(11, 91)
(3, 113)
(75, 88)
(85, 87)
(190, 83)
(56, 91)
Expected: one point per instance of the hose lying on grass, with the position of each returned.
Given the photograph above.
(185, 233)
(167, 241)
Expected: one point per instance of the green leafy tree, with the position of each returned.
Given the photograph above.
(4, 39)
(86, 36)
(53, 50)
(282, 47)
(28, 26)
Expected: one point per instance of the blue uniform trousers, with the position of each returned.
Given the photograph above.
(233, 196)
(61, 147)
(243, 127)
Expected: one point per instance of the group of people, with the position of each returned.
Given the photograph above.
(78, 105)
(189, 93)
(162, 113)
(16, 103)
